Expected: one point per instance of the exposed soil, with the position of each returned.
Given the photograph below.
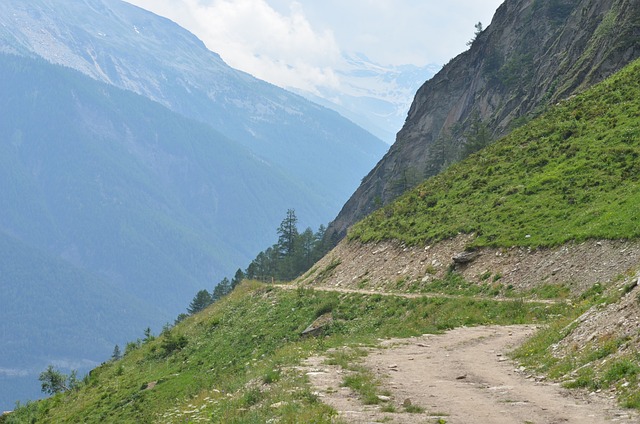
(462, 377)
(381, 266)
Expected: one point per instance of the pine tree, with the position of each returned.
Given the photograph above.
(237, 279)
(287, 232)
(477, 137)
(148, 337)
(222, 289)
(201, 300)
(116, 355)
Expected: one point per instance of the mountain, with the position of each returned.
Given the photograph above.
(135, 161)
(43, 298)
(376, 97)
(548, 222)
(128, 47)
(533, 54)
(113, 203)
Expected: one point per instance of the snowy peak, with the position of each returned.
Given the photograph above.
(376, 97)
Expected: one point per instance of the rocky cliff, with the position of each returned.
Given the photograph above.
(534, 53)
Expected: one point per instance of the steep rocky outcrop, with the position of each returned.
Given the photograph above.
(534, 53)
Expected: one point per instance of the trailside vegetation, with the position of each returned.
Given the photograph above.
(236, 361)
(293, 254)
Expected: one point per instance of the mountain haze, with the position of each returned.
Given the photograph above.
(123, 45)
(136, 162)
(116, 189)
(376, 97)
(533, 54)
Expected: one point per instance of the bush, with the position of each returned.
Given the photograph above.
(172, 343)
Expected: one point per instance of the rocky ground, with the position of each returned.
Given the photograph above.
(380, 266)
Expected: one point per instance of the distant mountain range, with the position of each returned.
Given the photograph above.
(376, 97)
(136, 169)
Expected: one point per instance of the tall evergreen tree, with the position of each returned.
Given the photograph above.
(222, 289)
(237, 278)
(477, 137)
(287, 233)
(117, 354)
(201, 300)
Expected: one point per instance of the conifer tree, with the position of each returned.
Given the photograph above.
(201, 300)
(222, 289)
(116, 355)
(288, 232)
(237, 278)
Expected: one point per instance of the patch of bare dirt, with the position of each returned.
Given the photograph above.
(382, 266)
(620, 320)
(462, 376)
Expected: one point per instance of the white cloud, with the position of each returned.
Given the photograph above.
(250, 35)
(298, 43)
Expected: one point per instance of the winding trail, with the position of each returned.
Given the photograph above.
(460, 377)
(412, 295)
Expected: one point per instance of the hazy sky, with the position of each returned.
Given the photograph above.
(298, 43)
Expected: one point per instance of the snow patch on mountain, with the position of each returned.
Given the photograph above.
(376, 97)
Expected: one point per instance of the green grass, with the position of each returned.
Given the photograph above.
(570, 175)
(453, 283)
(364, 383)
(240, 354)
(598, 364)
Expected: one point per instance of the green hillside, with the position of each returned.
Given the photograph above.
(235, 360)
(573, 174)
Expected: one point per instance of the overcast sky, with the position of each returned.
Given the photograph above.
(298, 43)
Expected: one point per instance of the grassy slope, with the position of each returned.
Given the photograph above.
(570, 175)
(240, 353)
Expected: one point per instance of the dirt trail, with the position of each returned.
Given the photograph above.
(412, 295)
(462, 377)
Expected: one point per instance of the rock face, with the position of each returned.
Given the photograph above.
(534, 53)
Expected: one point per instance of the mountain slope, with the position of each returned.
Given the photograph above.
(571, 175)
(241, 359)
(533, 54)
(552, 203)
(120, 44)
(43, 297)
(126, 197)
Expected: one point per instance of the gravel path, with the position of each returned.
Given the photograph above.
(462, 377)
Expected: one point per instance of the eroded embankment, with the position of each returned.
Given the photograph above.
(390, 266)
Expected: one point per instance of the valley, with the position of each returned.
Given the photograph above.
(487, 269)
